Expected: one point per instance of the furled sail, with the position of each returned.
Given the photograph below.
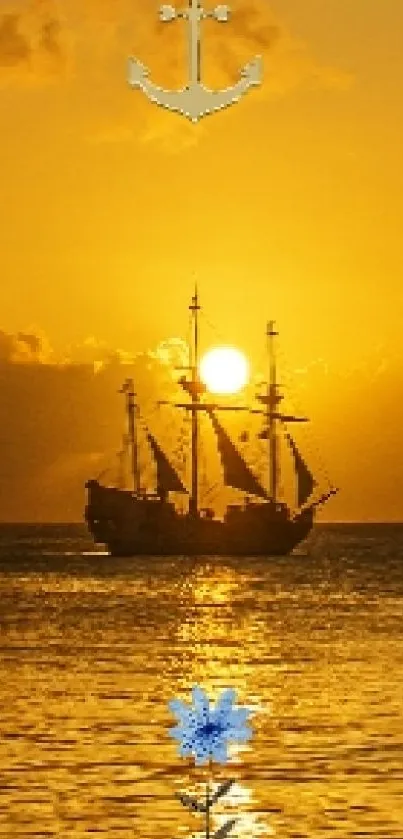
(167, 479)
(305, 480)
(236, 473)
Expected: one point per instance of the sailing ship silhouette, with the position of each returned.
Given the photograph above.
(138, 521)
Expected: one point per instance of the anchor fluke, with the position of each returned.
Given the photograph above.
(253, 71)
(137, 73)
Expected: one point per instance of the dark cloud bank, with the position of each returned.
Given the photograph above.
(61, 423)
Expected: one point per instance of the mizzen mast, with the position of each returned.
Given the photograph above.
(271, 400)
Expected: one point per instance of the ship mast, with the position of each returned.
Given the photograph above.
(272, 402)
(195, 389)
(131, 408)
(122, 455)
(195, 394)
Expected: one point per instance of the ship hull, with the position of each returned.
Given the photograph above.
(129, 527)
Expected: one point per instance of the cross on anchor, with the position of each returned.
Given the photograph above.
(194, 100)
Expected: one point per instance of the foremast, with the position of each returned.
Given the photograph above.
(167, 477)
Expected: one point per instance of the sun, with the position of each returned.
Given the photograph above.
(224, 370)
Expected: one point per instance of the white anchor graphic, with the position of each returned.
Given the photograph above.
(194, 100)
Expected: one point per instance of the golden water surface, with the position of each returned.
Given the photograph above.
(92, 649)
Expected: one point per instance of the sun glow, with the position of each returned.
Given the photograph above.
(224, 370)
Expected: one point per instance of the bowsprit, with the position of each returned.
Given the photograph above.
(194, 100)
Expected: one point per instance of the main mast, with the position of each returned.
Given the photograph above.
(272, 402)
(131, 407)
(195, 394)
(122, 463)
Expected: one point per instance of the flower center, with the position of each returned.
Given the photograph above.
(210, 729)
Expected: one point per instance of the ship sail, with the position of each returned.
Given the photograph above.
(167, 479)
(236, 473)
(305, 480)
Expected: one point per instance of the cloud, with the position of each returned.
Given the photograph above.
(33, 42)
(15, 49)
(50, 39)
(170, 133)
(33, 347)
(113, 134)
(255, 30)
(24, 348)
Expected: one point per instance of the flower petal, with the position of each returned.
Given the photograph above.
(180, 710)
(242, 735)
(219, 753)
(201, 704)
(177, 732)
(202, 753)
(237, 717)
(224, 705)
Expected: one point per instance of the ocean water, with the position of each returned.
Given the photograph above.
(93, 648)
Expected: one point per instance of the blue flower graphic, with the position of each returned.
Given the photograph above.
(205, 731)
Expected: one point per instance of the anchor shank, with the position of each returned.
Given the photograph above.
(194, 14)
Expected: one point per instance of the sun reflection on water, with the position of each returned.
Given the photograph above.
(210, 638)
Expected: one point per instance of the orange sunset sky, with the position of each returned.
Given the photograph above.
(287, 206)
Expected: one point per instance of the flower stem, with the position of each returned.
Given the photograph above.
(208, 810)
